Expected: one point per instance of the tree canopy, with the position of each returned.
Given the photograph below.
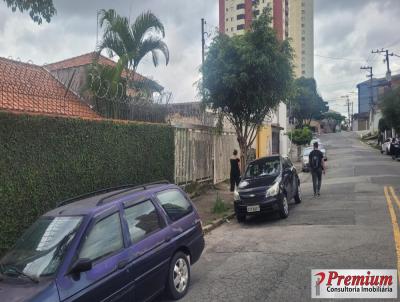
(333, 119)
(390, 107)
(307, 104)
(246, 77)
(38, 9)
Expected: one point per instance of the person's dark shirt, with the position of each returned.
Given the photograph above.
(235, 166)
(320, 156)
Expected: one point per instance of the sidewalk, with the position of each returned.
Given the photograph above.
(206, 202)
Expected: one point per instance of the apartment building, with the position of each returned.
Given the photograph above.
(301, 32)
(235, 16)
(291, 18)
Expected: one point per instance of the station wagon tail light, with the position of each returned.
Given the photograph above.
(273, 190)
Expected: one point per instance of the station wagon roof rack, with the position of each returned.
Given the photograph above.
(128, 187)
(140, 187)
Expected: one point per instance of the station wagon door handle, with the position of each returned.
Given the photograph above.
(122, 263)
(177, 230)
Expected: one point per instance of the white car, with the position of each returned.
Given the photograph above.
(385, 147)
(305, 160)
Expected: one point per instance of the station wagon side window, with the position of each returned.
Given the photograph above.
(174, 204)
(142, 220)
(104, 238)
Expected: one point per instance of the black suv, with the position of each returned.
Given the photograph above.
(268, 184)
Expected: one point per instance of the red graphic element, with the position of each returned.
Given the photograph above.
(221, 16)
(321, 277)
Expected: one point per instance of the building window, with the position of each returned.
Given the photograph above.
(303, 11)
(231, 28)
(227, 9)
(302, 25)
(256, 13)
(240, 17)
(240, 27)
(231, 18)
(303, 72)
(227, 19)
(240, 6)
(303, 38)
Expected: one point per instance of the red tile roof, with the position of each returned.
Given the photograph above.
(31, 88)
(87, 59)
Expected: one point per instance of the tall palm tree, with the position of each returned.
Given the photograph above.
(132, 42)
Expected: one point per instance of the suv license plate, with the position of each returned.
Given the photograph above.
(251, 209)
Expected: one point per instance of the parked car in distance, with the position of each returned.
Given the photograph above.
(305, 167)
(122, 244)
(322, 148)
(268, 184)
(385, 146)
(315, 140)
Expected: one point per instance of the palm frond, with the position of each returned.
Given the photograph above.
(153, 45)
(145, 23)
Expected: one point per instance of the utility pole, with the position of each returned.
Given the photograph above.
(203, 41)
(349, 117)
(388, 72)
(370, 76)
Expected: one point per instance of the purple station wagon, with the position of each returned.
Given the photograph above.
(121, 244)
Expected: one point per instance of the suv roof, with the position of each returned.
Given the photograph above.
(98, 201)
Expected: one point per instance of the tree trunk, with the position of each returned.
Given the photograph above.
(298, 152)
(243, 157)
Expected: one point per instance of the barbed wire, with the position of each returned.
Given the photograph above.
(27, 87)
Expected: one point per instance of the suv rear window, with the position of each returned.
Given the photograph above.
(175, 204)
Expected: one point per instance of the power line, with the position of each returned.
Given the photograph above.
(338, 58)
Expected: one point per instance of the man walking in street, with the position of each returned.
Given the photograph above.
(317, 166)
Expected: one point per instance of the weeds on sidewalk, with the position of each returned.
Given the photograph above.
(219, 206)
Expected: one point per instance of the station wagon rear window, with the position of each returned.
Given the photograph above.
(174, 203)
(142, 220)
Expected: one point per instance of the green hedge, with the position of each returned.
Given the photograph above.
(47, 159)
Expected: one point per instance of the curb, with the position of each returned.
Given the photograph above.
(216, 223)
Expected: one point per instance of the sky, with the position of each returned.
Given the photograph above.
(345, 32)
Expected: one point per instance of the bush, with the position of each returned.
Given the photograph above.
(44, 160)
(301, 136)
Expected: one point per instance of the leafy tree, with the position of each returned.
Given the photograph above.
(246, 77)
(132, 42)
(390, 107)
(333, 119)
(38, 9)
(383, 125)
(300, 137)
(307, 104)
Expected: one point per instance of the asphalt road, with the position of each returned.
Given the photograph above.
(349, 226)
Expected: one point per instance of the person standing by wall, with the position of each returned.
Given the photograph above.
(317, 166)
(235, 170)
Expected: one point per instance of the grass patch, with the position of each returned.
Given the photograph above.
(219, 206)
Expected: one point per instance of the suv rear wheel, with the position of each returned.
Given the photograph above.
(284, 207)
(178, 276)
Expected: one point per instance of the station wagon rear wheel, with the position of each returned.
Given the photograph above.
(179, 276)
